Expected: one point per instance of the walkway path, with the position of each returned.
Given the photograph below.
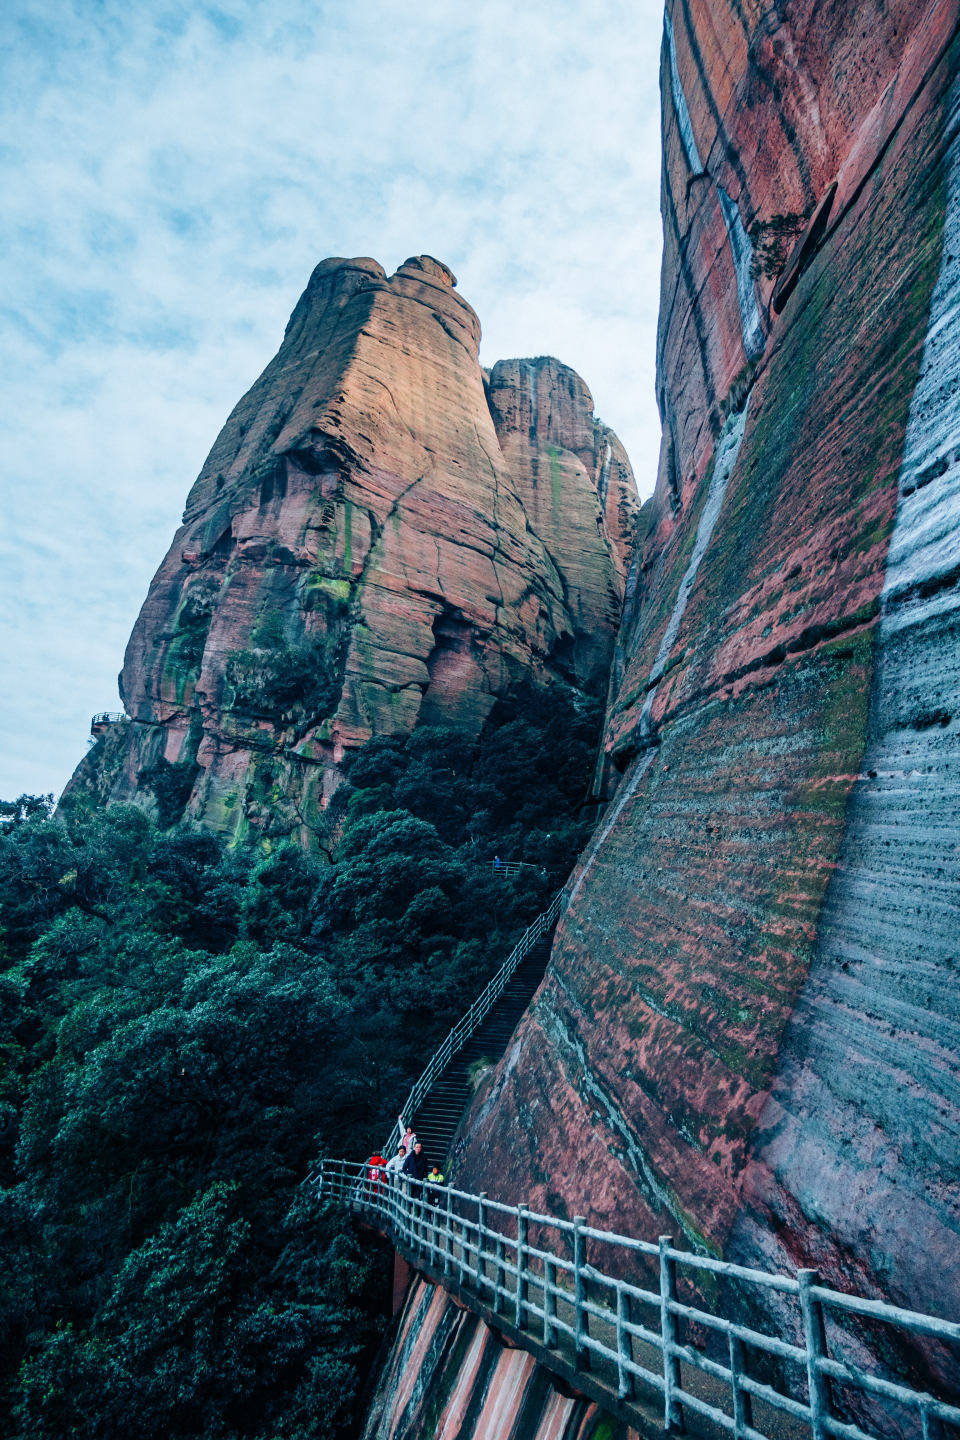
(641, 1327)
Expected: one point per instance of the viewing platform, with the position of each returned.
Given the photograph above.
(511, 867)
(104, 719)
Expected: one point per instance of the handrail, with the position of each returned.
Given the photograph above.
(107, 717)
(478, 1012)
(511, 867)
(506, 1259)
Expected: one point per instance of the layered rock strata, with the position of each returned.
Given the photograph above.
(449, 1377)
(749, 1033)
(381, 536)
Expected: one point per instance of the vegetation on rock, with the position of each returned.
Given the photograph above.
(276, 677)
(185, 1027)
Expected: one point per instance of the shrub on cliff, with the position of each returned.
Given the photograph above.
(276, 678)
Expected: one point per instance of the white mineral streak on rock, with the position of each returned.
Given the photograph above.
(454, 1414)
(742, 251)
(865, 1116)
(504, 1396)
(726, 451)
(398, 1380)
(725, 459)
(605, 472)
(740, 246)
(556, 1415)
(684, 124)
(534, 402)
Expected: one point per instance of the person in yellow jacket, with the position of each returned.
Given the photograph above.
(435, 1179)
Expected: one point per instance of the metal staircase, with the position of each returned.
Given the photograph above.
(437, 1101)
(439, 1113)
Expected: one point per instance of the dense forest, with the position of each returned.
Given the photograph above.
(185, 1028)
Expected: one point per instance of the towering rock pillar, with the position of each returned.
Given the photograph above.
(749, 1034)
(370, 545)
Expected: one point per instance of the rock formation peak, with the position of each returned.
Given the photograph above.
(377, 540)
(426, 265)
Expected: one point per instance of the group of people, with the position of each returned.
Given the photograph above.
(410, 1162)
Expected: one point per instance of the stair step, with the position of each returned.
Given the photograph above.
(443, 1108)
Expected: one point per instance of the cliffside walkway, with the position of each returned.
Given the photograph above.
(628, 1322)
(436, 1104)
(657, 1335)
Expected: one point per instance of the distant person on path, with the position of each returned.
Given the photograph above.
(376, 1173)
(409, 1138)
(496, 862)
(435, 1183)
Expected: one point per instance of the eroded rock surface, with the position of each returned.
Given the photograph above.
(376, 540)
(449, 1377)
(748, 1034)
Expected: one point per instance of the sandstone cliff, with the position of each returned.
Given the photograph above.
(381, 536)
(450, 1377)
(750, 1027)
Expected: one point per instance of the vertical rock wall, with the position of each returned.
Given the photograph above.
(449, 1377)
(860, 1135)
(748, 1031)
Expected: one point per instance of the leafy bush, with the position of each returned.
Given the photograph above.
(171, 783)
(276, 678)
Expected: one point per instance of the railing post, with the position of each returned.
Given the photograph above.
(742, 1404)
(481, 1232)
(448, 1238)
(434, 1225)
(499, 1274)
(522, 1225)
(672, 1413)
(549, 1303)
(423, 1221)
(626, 1381)
(410, 1201)
(815, 1343)
(580, 1319)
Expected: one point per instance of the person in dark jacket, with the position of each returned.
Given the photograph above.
(415, 1169)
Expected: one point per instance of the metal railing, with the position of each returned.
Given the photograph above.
(107, 717)
(636, 1319)
(475, 1016)
(511, 867)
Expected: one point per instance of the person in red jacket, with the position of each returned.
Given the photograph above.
(376, 1173)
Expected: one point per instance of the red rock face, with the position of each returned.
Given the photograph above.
(449, 1377)
(371, 544)
(748, 1031)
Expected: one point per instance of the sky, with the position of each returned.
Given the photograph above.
(171, 172)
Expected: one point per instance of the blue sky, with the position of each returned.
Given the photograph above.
(170, 175)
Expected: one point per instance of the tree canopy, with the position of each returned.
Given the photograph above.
(185, 1028)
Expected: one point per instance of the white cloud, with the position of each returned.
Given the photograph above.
(172, 172)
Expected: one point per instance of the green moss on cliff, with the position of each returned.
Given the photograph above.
(191, 625)
(277, 679)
